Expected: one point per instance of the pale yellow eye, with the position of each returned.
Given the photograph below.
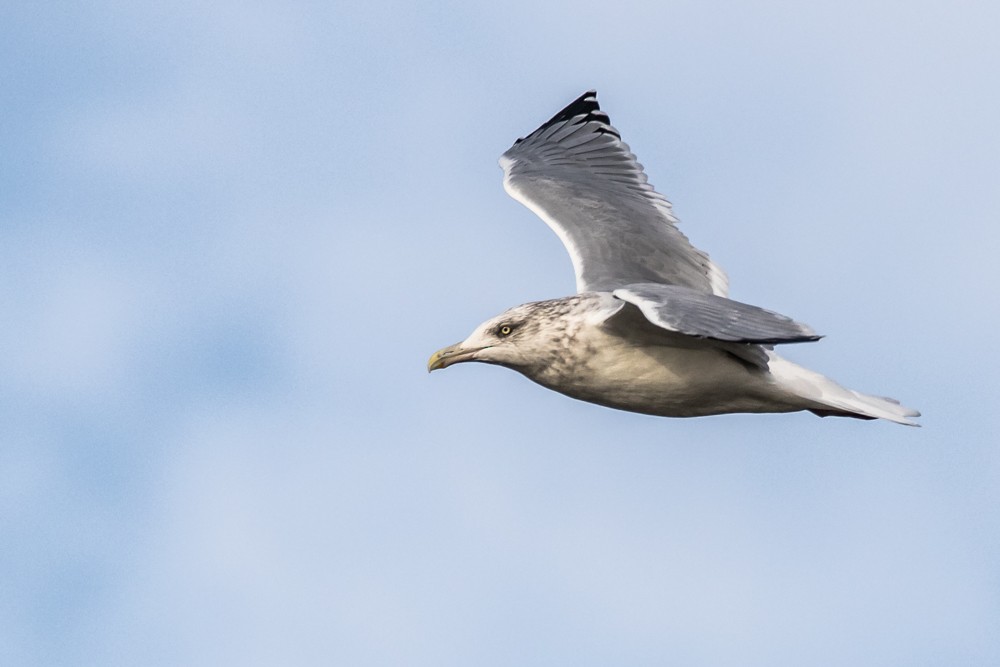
(505, 330)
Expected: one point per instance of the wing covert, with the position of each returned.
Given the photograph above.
(702, 315)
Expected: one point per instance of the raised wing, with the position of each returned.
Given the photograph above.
(578, 176)
(704, 315)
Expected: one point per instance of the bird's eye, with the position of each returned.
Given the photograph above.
(505, 330)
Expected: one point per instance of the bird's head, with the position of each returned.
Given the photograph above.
(502, 340)
(521, 338)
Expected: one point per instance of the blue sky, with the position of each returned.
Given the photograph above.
(231, 234)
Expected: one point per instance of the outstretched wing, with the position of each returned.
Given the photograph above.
(703, 315)
(578, 176)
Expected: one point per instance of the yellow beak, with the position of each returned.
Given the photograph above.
(452, 354)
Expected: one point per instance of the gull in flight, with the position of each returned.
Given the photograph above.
(650, 328)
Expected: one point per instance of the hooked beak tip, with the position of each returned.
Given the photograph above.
(440, 359)
(452, 354)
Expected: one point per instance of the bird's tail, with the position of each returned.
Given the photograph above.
(825, 397)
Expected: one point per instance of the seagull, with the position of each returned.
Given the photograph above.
(650, 329)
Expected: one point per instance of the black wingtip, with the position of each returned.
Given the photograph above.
(585, 105)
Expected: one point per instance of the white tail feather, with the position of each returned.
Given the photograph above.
(822, 393)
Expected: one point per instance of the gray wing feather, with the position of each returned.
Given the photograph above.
(577, 174)
(693, 313)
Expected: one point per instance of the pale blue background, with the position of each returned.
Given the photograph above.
(232, 233)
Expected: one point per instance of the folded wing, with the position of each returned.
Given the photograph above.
(702, 315)
(577, 174)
